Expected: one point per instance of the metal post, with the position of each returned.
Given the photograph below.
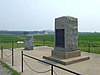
(44, 42)
(12, 57)
(22, 60)
(51, 69)
(1, 52)
(12, 44)
(89, 47)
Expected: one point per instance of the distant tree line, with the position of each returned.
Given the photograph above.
(27, 32)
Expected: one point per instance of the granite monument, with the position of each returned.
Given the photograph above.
(28, 43)
(66, 41)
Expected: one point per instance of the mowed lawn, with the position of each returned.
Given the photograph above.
(89, 42)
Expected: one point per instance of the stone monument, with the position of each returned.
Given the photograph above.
(28, 43)
(66, 41)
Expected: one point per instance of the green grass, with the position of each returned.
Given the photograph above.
(42, 37)
(40, 40)
(11, 37)
(89, 38)
(13, 72)
(83, 41)
(6, 40)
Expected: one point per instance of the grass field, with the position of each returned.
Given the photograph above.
(84, 41)
(6, 40)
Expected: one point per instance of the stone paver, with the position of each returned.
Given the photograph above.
(88, 67)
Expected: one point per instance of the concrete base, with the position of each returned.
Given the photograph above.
(61, 54)
(31, 48)
(66, 58)
(67, 61)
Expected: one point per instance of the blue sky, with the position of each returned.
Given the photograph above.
(33, 15)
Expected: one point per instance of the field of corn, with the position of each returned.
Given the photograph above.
(89, 42)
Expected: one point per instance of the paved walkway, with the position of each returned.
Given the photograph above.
(88, 67)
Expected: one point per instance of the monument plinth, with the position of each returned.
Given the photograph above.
(66, 34)
(66, 40)
(28, 43)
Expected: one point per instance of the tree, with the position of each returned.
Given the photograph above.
(25, 33)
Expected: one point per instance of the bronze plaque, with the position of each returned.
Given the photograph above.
(59, 38)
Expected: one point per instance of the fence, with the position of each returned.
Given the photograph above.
(89, 47)
(83, 46)
(12, 53)
(52, 65)
(43, 43)
(9, 44)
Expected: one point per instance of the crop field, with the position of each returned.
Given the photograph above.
(7, 40)
(89, 42)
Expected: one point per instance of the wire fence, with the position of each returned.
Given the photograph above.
(83, 46)
(36, 70)
(52, 65)
(9, 44)
(43, 43)
(39, 71)
(5, 52)
(92, 47)
(89, 47)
